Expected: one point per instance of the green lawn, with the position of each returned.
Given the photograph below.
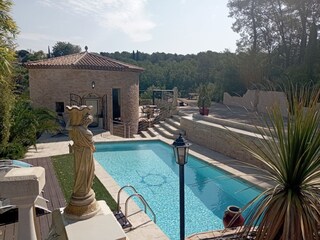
(63, 166)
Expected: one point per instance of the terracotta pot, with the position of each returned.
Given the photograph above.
(232, 217)
(204, 111)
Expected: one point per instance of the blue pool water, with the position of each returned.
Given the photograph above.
(151, 168)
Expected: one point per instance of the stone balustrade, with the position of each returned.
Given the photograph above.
(22, 186)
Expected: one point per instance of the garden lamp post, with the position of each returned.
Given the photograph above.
(181, 149)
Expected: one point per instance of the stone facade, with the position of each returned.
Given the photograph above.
(52, 85)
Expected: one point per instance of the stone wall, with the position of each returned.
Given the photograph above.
(260, 101)
(269, 99)
(249, 100)
(48, 86)
(216, 137)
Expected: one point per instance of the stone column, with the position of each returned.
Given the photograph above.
(22, 186)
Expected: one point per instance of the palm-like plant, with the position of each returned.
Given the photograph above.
(291, 158)
(8, 30)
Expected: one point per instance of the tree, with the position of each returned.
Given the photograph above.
(246, 13)
(8, 30)
(24, 55)
(285, 30)
(27, 125)
(65, 48)
(204, 98)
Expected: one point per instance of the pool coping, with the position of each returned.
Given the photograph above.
(142, 226)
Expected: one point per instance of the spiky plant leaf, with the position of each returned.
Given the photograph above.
(290, 154)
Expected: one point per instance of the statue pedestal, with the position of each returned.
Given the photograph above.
(102, 226)
(80, 208)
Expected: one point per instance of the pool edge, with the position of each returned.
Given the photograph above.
(142, 226)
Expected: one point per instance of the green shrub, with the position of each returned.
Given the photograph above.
(204, 98)
(13, 151)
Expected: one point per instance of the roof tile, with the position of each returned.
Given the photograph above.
(84, 60)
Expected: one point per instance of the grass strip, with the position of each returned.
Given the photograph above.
(63, 166)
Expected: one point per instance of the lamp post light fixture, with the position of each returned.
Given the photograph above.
(181, 149)
(93, 84)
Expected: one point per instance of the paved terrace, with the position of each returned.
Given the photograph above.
(219, 110)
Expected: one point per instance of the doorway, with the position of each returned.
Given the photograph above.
(94, 111)
(116, 112)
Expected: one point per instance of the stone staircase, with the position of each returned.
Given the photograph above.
(169, 128)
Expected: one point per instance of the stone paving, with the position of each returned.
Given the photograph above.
(219, 110)
(52, 145)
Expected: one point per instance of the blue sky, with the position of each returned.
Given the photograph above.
(170, 26)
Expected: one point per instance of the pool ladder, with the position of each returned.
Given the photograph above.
(135, 194)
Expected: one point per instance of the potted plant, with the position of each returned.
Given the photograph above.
(204, 99)
(289, 209)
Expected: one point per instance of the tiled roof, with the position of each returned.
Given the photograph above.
(84, 60)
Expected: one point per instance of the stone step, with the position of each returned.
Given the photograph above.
(138, 136)
(176, 118)
(173, 122)
(146, 134)
(163, 132)
(169, 127)
(153, 132)
(181, 114)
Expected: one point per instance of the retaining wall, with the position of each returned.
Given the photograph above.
(220, 138)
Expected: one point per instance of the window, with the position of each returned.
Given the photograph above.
(59, 107)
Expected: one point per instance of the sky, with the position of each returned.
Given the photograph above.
(170, 26)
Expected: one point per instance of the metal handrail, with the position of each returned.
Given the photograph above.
(126, 127)
(144, 203)
(118, 197)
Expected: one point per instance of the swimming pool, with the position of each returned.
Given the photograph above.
(150, 167)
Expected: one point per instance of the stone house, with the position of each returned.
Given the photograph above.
(110, 86)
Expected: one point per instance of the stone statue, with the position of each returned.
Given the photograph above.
(82, 204)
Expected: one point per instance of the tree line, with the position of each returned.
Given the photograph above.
(186, 72)
(281, 35)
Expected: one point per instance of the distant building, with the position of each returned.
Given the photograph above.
(110, 86)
